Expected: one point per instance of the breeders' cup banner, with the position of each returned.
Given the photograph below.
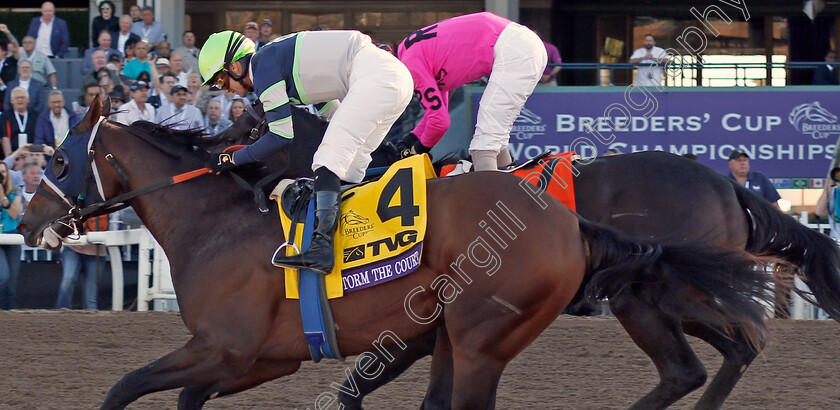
(787, 134)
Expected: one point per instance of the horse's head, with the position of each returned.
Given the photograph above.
(68, 183)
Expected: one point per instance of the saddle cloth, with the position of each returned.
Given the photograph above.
(553, 174)
(380, 232)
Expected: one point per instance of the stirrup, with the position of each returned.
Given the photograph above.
(281, 247)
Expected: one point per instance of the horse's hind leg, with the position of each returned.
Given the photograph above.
(439, 393)
(261, 371)
(737, 353)
(661, 337)
(197, 363)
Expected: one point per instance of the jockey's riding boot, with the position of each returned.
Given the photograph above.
(320, 256)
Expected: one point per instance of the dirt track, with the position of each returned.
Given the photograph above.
(69, 360)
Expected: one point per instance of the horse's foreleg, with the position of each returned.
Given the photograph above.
(439, 393)
(475, 380)
(395, 364)
(661, 337)
(261, 371)
(737, 356)
(197, 363)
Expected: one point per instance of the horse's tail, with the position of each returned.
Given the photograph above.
(817, 256)
(716, 287)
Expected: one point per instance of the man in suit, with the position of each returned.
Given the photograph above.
(51, 35)
(104, 41)
(118, 38)
(53, 124)
(34, 87)
(826, 74)
(18, 123)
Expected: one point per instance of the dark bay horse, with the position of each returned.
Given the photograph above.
(663, 196)
(245, 332)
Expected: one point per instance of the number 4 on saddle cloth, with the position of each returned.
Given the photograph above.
(380, 233)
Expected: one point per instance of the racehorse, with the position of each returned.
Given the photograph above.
(676, 200)
(245, 332)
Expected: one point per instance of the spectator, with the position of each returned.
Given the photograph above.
(105, 21)
(106, 82)
(8, 71)
(86, 259)
(52, 125)
(266, 33)
(825, 74)
(117, 99)
(177, 114)
(51, 35)
(612, 152)
(160, 95)
(104, 45)
(91, 90)
(227, 99)
(32, 86)
(17, 125)
(199, 95)
(549, 76)
(10, 207)
(162, 66)
(163, 49)
(829, 203)
(42, 67)
(130, 44)
(149, 30)
(237, 107)
(136, 109)
(189, 52)
(652, 60)
(252, 31)
(176, 66)
(134, 13)
(739, 167)
(123, 33)
(214, 122)
(140, 62)
(15, 162)
(99, 62)
(32, 173)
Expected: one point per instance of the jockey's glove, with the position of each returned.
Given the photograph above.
(222, 161)
(405, 144)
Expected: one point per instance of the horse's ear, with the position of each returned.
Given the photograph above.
(90, 119)
(106, 106)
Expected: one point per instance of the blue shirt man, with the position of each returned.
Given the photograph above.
(739, 171)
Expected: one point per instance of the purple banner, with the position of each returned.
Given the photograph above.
(788, 133)
(383, 271)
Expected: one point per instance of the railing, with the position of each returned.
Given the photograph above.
(690, 72)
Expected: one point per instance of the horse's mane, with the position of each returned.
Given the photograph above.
(189, 140)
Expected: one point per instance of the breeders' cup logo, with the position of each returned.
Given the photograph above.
(528, 125)
(355, 225)
(814, 120)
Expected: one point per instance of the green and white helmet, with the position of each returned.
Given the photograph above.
(220, 50)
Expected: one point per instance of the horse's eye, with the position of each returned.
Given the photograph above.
(60, 167)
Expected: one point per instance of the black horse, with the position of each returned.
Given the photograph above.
(677, 201)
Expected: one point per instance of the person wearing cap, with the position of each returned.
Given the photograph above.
(162, 65)
(266, 33)
(189, 52)
(137, 109)
(252, 31)
(739, 171)
(177, 114)
(313, 67)
(117, 99)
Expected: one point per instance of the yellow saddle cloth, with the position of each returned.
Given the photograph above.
(380, 231)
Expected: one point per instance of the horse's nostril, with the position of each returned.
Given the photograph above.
(24, 229)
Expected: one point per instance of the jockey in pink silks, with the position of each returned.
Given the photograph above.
(454, 52)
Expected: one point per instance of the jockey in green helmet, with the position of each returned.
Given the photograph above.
(321, 68)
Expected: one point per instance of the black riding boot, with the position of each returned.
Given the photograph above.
(320, 256)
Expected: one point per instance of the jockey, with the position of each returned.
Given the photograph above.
(446, 55)
(313, 67)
